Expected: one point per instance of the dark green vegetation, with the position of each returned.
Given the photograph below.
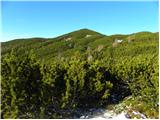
(51, 78)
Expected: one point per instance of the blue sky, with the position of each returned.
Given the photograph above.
(50, 19)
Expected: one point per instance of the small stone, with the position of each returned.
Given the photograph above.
(127, 116)
(87, 117)
(82, 117)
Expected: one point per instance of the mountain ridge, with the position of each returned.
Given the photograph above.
(78, 31)
(80, 41)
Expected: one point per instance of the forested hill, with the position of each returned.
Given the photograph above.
(84, 70)
(84, 41)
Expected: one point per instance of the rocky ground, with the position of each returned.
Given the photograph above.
(103, 114)
(108, 114)
(117, 111)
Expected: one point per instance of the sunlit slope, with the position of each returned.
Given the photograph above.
(84, 41)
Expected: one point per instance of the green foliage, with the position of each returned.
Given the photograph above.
(21, 81)
(141, 75)
(48, 49)
(29, 88)
(61, 76)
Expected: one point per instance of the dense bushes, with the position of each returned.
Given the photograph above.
(33, 90)
(21, 83)
(80, 73)
(141, 75)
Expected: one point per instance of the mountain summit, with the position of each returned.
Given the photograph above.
(78, 34)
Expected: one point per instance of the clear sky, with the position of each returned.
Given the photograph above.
(50, 19)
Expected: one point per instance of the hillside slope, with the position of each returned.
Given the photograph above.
(81, 72)
(83, 41)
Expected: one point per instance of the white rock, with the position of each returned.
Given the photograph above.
(138, 113)
(120, 116)
(135, 113)
(68, 39)
(87, 117)
(88, 36)
(108, 114)
(82, 117)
